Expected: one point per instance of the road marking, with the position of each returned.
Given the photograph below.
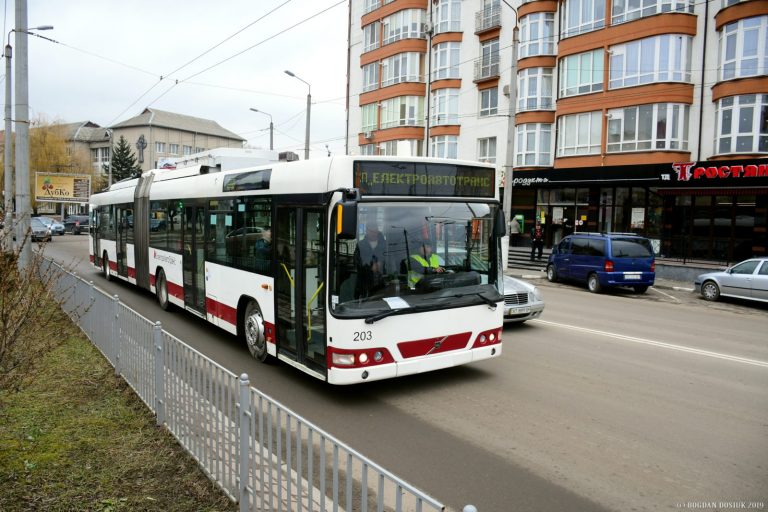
(679, 348)
(666, 295)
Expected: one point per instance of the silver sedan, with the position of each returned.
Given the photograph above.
(522, 301)
(745, 280)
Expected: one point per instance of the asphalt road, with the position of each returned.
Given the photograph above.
(608, 402)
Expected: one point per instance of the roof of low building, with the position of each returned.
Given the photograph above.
(155, 117)
(84, 131)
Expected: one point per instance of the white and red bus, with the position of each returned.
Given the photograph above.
(274, 254)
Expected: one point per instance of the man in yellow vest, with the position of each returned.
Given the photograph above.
(424, 262)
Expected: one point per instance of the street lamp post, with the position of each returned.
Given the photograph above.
(271, 127)
(23, 204)
(8, 155)
(309, 105)
(109, 134)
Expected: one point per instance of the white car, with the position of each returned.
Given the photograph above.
(522, 301)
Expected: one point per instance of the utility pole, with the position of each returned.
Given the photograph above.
(23, 204)
(8, 155)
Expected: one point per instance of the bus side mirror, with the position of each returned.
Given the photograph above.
(346, 220)
(499, 224)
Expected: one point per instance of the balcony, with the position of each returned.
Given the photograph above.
(487, 19)
(487, 68)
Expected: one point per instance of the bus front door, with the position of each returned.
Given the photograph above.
(194, 258)
(124, 218)
(300, 286)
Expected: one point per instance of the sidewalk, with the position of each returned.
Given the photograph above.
(664, 284)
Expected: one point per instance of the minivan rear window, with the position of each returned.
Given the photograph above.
(632, 248)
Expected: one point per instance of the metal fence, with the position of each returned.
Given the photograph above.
(259, 452)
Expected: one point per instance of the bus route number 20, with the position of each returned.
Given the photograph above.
(363, 336)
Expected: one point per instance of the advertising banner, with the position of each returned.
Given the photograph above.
(62, 188)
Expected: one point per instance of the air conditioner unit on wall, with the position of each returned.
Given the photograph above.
(368, 135)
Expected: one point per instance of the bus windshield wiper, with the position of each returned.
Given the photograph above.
(491, 303)
(390, 312)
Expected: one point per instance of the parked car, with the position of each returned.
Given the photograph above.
(522, 301)
(56, 227)
(40, 232)
(77, 224)
(745, 280)
(604, 260)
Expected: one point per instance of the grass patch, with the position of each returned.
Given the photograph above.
(77, 438)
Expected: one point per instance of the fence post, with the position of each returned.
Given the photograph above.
(116, 333)
(91, 314)
(245, 437)
(159, 375)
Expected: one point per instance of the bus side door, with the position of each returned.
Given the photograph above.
(300, 285)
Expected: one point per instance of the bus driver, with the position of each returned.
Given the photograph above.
(424, 262)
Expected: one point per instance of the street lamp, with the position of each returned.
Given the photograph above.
(271, 127)
(309, 105)
(22, 139)
(110, 134)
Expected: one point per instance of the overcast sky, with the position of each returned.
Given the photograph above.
(111, 55)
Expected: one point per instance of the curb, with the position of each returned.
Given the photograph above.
(677, 286)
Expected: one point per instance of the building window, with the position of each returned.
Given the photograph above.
(370, 117)
(160, 147)
(406, 24)
(445, 61)
(489, 16)
(488, 64)
(199, 150)
(580, 16)
(187, 150)
(447, 16)
(534, 89)
(409, 147)
(95, 155)
(371, 36)
(581, 74)
(656, 59)
(370, 5)
(744, 48)
(537, 34)
(173, 149)
(105, 154)
(445, 107)
(445, 146)
(534, 145)
(486, 150)
(661, 126)
(368, 149)
(371, 77)
(579, 134)
(628, 10)
(402, 111)
(489, 102)
(742, 124)
(403, 67)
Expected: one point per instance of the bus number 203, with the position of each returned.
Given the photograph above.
(364, 336)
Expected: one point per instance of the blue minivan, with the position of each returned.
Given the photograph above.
(604, 259)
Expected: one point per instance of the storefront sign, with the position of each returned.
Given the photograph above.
(62, 188)
(687, 171)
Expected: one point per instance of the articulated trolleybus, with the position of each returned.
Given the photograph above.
(348, 268)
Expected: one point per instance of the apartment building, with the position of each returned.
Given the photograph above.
(646, 116)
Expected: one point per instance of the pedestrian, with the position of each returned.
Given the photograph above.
(514, 231)
(537, 240)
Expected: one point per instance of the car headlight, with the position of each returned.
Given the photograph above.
(535, 293)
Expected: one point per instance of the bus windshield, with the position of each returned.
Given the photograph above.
(417, 255)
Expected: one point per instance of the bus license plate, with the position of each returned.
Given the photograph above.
(518, 311)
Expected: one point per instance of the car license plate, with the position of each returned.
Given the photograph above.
(518, 311)
(632, 276)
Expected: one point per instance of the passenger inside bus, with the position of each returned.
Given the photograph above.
(370, 261)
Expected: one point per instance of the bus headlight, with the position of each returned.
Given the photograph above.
(363, 358)
(343, 359)
(378, 356)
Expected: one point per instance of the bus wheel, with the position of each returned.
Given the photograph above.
(105, 267)
(161, 290)
(253, 330)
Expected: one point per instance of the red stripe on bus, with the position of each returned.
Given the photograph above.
(113, 265)
(91, 258)
(221, 310)
(132, 272)
(175, 290)
(418, 348)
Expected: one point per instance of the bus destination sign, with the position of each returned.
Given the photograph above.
(417, 179)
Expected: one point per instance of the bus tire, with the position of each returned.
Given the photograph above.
(253, 331)
(105, 266)
(161, 290)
